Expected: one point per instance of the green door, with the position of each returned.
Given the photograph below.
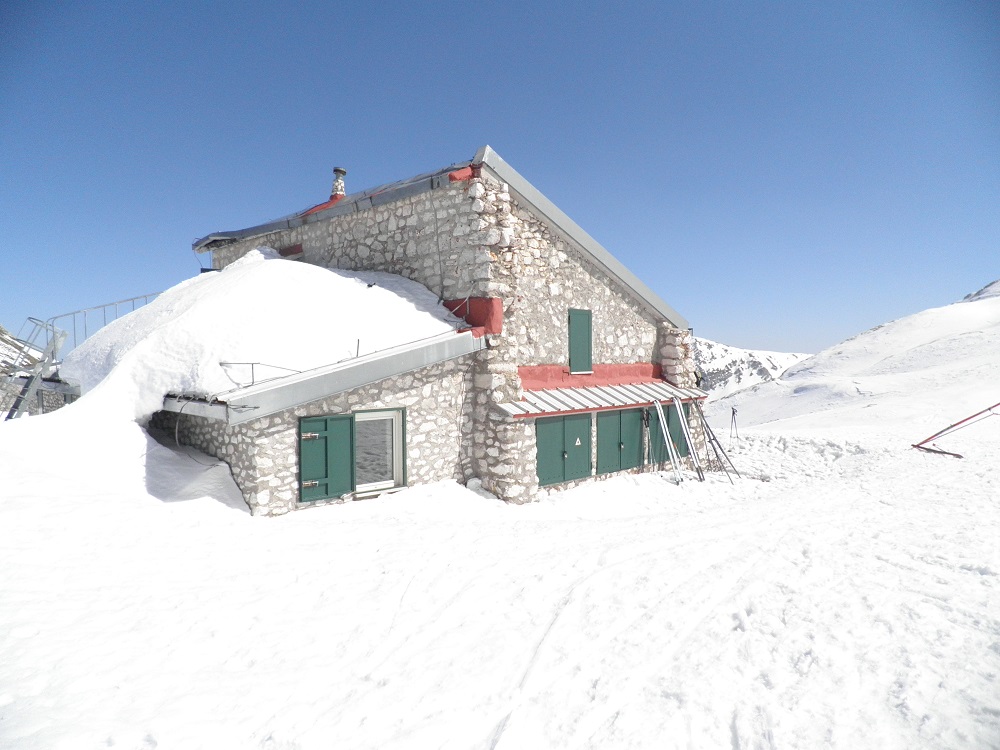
(657, 448)
(619, 440)
(577, 435)
(609, 441)
(549, 439)
(631, 438)
(676, 430)
(326, 457)
(563, 448)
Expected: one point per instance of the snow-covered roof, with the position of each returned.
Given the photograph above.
(263, 319)
(274, 395)
(524, 191)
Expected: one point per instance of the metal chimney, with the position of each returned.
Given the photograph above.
(338, 182)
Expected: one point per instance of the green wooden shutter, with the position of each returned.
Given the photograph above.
(580, 341)
(609, 453)
(577, 444)
(326, 457)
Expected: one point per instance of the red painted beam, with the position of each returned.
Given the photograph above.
(479, 311)
(541, 377)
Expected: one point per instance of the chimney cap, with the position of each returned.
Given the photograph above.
(338, 182)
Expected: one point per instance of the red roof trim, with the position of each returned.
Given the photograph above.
(460, 175)
(322, 206)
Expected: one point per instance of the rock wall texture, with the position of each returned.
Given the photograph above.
(263, 453)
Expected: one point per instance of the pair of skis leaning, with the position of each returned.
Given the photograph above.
(675, 460)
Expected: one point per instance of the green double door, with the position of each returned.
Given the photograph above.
(563, 448)
(619, 440)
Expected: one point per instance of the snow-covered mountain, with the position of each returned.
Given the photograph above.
(990, 290)
(726, 369)
(909, 373)
(841, 594)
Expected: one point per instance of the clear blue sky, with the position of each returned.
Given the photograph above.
(785, 174)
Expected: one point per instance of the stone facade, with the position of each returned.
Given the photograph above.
(263, 453)
(468, 238)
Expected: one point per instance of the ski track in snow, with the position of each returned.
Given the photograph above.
(842, 612)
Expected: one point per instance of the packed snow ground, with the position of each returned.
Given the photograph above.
(843, 594)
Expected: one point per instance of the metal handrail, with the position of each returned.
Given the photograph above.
(81, 317)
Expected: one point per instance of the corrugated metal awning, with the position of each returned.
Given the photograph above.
(598, 398)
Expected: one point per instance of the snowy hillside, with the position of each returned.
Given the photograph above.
(990, 290)
(842, 594)
(908, 375)
(727, 369)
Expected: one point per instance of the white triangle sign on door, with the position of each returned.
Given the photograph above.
(577, 441)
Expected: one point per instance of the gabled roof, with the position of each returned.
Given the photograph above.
(526, 194)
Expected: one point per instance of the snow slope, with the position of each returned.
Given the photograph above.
(842, 594)
(915, 374)
(726, 369)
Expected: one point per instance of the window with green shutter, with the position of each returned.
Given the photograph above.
(362, 452)
(580, 342)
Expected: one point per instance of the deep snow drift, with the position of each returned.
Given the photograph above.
(843, 594)
(199, 337)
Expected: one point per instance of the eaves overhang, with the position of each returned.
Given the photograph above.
(272, 396)
(562, 401)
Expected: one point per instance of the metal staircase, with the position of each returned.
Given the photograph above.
(34, 359)
(37, 355)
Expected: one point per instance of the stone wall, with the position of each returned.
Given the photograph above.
(473, 238)
(424, 237)
(263, 453)
(540, 275)
(43, 402)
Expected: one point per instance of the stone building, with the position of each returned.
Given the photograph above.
(552, 382)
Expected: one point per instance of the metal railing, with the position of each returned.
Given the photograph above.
(81, 324)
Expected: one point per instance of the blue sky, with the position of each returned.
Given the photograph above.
(783, 174)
